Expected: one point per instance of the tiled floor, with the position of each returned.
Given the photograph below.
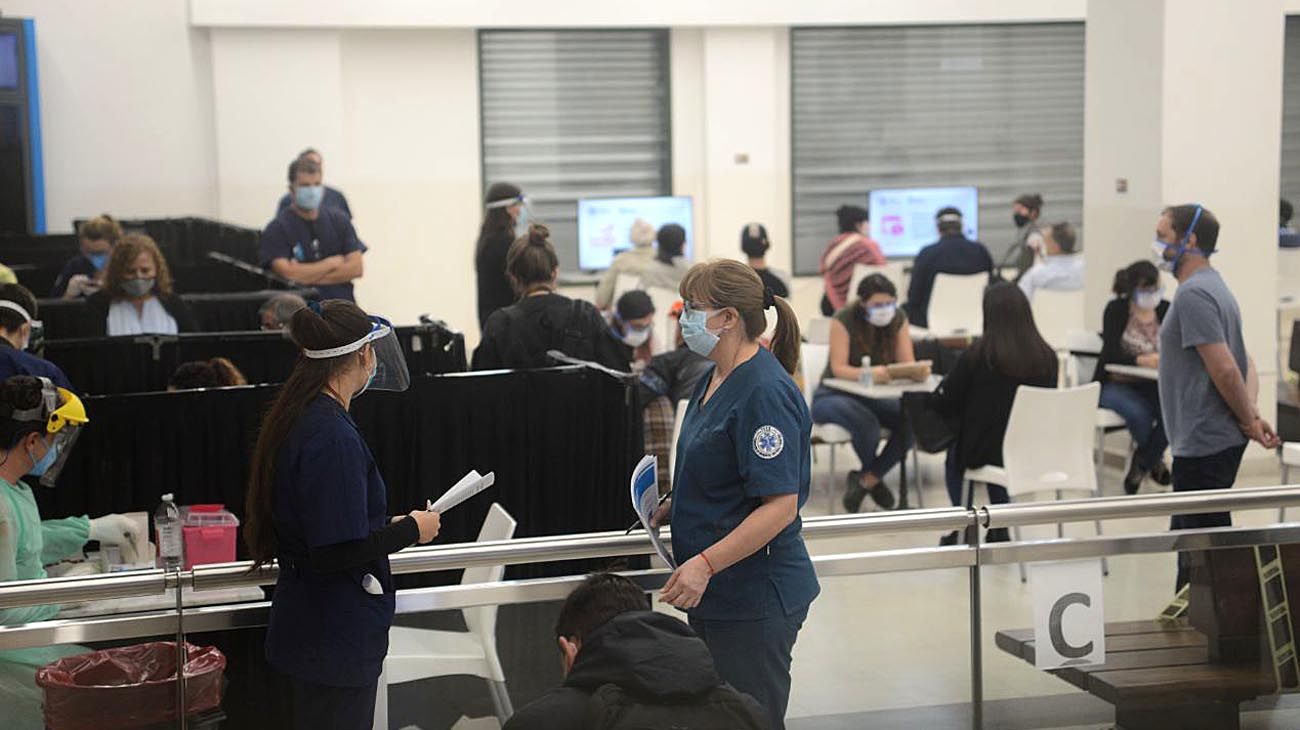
(893, 650)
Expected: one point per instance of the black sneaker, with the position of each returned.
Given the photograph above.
(997, 534)
(881, 495)
(1160, 474)
(1133, 479)
(854, 492)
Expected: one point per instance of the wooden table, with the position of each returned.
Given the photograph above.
(1159, 676)
(1134, 371)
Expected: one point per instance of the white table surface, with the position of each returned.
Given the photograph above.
(893, 390)
(1134, 371)
(162, 601)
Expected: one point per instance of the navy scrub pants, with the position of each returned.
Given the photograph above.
(1195, 473)
(321, 707)
(754, 657)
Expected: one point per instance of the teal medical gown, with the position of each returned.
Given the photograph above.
(27, 545)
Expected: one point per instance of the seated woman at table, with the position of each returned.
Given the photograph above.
(137, 297)
(976, 396)
(1130, 335)
(872, 326)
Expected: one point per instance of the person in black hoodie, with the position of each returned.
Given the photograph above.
(503, 206)
(520, 336)
(628, 666)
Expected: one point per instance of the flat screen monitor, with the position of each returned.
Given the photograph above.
(903, 220)
(604, 225)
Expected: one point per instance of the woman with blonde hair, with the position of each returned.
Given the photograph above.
(137, 297)
(742, 473)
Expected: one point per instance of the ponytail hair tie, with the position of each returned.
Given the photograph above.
(769, 299)
(314, 305)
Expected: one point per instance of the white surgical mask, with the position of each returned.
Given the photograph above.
(1148, 298)
(881, 315)
(636, 336)
(1158, 256)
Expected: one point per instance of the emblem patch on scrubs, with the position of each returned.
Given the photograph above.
(768, 442)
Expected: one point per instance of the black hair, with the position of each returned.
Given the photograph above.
(878, 342)
(672, 241)
(1064, 236)
(1285, 212)
(1207, 226)
(1032, 201)
(19, 393)
(948, 227)
(753, 240)
(10, 320)
(333, 324)
(634, 304)
(850, 216)
(1011, 344)
(601, 597)
(876, 284)
(497, 222)
(1139, 274)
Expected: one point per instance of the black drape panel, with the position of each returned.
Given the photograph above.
(120, 365)
(561, 441)
(213, 312)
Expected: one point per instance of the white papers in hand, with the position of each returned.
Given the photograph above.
(645, 500)
(468, 486)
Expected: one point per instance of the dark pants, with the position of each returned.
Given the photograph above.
(864, 418)
(320, 707)
(754, 657)
(1196, 473)
(1139, 405)
(953, 473)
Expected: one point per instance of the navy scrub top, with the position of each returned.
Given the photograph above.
(752, 439)
(17, 362)
(290, 236)
(324, 627)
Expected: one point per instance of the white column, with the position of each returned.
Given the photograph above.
(1184, 106)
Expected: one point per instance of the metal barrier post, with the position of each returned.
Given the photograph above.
(976, 630)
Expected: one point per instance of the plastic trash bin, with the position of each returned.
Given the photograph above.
(128, 687)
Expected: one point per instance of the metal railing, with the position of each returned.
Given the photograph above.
(971, 556)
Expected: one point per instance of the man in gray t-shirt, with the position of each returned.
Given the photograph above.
(1208, 384)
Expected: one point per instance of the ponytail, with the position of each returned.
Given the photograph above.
(333, 324)
(786, 340)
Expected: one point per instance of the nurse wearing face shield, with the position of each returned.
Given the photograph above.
(39, 423)
(318, 505)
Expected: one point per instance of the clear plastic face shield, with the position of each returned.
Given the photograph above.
(525, 216)
(36, 330)
(63, 415)
(390, 371)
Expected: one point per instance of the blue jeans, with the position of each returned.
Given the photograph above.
(863, 418)
(953, 473)
(1139, 405)
(754, 657)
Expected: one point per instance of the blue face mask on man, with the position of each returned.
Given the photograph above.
(98, 260)
(1159, 247)
(695, 331)
(308, 197)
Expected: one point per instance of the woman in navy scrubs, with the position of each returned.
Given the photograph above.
(744, 575)
(317, 503)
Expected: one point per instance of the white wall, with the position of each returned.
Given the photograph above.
(126, 108)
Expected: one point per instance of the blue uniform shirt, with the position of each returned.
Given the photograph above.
(750, 440)
(16, 362)
(290, 236)
(324, 627)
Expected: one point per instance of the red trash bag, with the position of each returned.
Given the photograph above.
(128, 687)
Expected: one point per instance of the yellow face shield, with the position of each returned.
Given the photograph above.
(63, 414)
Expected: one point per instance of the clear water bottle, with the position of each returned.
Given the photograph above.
(171, 544)
(865, 378)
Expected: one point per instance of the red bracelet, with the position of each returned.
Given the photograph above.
(712, 572)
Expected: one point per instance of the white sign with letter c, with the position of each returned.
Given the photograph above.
(1069, 615)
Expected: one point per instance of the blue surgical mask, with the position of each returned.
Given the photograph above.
(522, 221)
(308, 197)
(98, 260)
(1148, 298)
(369, 380)
(881, 315)
(695, 331)
(42, 465)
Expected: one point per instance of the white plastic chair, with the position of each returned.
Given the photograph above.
(813, 359)
(1289, 456)
(957, 304)
(1057, 314)
(1047, 448)
(624, 284)
(415, 654)
(818, 332)
(1085, 353)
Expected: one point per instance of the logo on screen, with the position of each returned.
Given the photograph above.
(892, 225)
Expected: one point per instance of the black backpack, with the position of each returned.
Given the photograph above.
(721, 708)
(573, 335)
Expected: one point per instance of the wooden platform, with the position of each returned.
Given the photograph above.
(1158, 676)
